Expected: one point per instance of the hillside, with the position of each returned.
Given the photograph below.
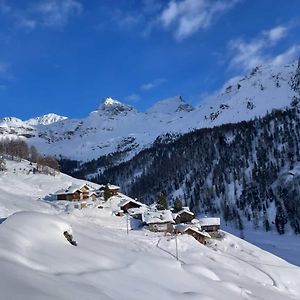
(246, 172)
(37, 262)
(20, 189)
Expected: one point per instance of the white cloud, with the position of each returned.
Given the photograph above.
(133, 98)
(51, 13)
(186, 17)
(248, 54)
(57, 12)
(276, 34)
(153, 84)
(27, 23)
(287, 56)
(123, 19)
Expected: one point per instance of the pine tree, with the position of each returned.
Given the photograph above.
(177, 205)
(107, 193)
(280, 220)
(162, 201)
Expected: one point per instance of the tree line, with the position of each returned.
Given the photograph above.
(17, 149)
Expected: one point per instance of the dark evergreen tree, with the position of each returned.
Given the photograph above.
(107, 193)
(162, 201)
(177, 205)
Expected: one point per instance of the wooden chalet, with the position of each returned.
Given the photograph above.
(130, 203)
(114, 189)
(93, 196)
(196, 233)
(183, 216)
(159, 221)
(73, 193)
(210, 224)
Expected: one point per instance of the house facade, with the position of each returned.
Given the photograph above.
(197, 234)
(210, 224)
(74, 193)
(114, 189)
(159, 221)
(183, 216)
(125, 206)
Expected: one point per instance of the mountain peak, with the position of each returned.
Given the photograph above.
(114, 107)
(110, 101)
(11, 121)
(45, 119)
(170, 106)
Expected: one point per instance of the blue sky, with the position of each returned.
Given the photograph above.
(64, 56)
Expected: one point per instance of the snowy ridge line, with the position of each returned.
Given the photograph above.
(115, 127)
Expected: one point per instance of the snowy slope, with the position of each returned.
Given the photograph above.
(115, 126)
(37, 262)
(22, 191)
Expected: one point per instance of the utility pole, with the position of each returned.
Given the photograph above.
(176, 243)
(127, 219)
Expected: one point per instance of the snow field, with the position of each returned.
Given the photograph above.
(37, 262)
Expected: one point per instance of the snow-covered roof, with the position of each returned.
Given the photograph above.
(113, 187)
(197, 230)
(209, 221)
(137, 210)
(160, 216)
(71, 189)
(185, 210)
(126, 201)
(182, 227)
(115, 202)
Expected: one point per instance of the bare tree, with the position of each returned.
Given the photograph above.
(48, 165)
(33, 154)
(2, 164)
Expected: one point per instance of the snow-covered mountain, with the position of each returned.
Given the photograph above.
(11, 127)
(45, 119)
(117, 127)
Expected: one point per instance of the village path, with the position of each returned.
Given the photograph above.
(168, 252)
(274, 283)
(253, 265)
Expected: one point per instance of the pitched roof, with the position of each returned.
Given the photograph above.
(71, 189)
(113, 187)
(160, 216)
(137, 210)
(126, 201)
(198, 231)
(209, 221)
(185, 210)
